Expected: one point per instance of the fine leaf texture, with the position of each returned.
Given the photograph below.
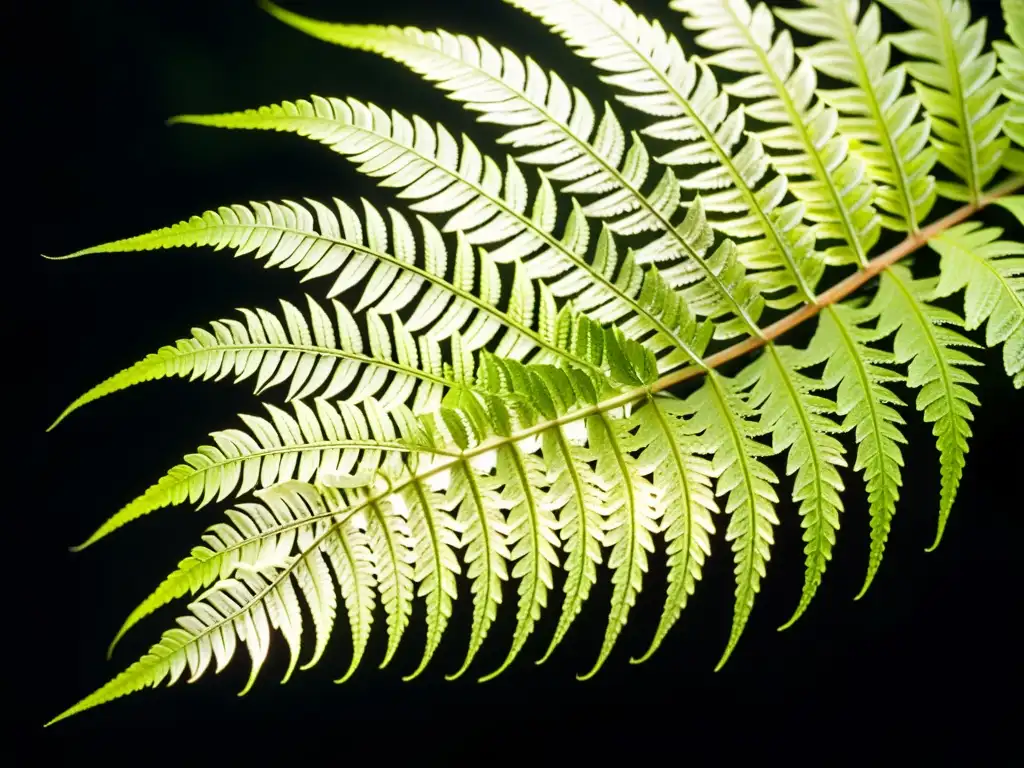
(513, 384)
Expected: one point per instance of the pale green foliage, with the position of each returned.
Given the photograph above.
(482, 413)
(1011, 66)
(953, 78)
(887, 123)
(992, 272)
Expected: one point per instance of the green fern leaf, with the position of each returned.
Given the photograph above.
(924, 339)
(333, 439)
(799, 422)
(391, 542)
(556, 124)
(532, 540)
(536, 394)
(992, 272)
(352, 559)
(778, 90)
(650, 66)
(955, 82)
(322, 242)
(435, 536)
(866, 405)
(489, 207)
(259, 538)
(667, 442)
(584, 504)
(728, 434)
(315, 357)
(874, 112)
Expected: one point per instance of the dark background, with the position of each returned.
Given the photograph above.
(932, 643)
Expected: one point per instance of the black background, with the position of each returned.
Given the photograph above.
(933, 643)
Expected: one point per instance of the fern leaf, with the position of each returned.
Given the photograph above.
(484, 539)
(489, 207)
(992, 272)
(435, 540)
(532, 540)
(875, 112)
(391, 544)
(925, 340)
(350, 555)
(238, 609)
(650, 66)
(799, 422)
(838, 196)
(259, 539)
(668, 445)
(955, 82)
(633, 509)
(320, 243)
(584, 505)
(1011, 67)
(557, 124)
(728, 434)
(334, 439)
(315, 357)
(866, 405)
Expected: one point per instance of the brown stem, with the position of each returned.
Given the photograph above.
(842, 289)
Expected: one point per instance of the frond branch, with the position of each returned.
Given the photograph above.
(843, 288)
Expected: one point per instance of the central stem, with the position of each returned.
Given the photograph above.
(842, 289)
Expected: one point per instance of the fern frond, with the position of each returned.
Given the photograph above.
(435, 536)
(349, 553)
(557, 124)
(259, 538)
(341, 439)
(992, 273)
(728, 434)
(517, 401)
(315, 357)
(391, 543)
(488, 206)
(1011, 67)
(875, 113)
(865, 402)
(532, 540)
(241, 609)
(925, 340)
(781, 91)
(667, 442)
(632, 511)
(955, 82)
(584, 505)
(289, 236)
(650, 66)
(484, 538)
(800, 422)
